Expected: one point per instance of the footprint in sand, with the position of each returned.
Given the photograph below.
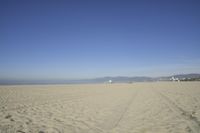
(8, 116)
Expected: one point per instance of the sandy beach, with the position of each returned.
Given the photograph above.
(156, 107)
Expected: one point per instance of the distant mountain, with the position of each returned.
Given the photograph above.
(193, 75)
(124, 79)
(180, 76)
(121, 79)
(118, 79)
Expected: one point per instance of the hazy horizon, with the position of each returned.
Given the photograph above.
(91, 39)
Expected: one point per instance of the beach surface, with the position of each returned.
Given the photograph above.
(155, 107)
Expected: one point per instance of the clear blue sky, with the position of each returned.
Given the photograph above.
(44, 39)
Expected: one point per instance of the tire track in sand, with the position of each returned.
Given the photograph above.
(114, 120)
(191, 121)
(125, 110)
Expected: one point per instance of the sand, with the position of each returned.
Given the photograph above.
(157, 107)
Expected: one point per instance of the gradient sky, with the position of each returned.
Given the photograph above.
(43, 39)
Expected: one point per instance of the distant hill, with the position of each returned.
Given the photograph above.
(187, 75)
(121, 79)
(118, 79)
(180, 76)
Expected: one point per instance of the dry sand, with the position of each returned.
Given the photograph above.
(159, 107)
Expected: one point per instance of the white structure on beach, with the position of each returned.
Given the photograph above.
(174, 79)
(110, 81)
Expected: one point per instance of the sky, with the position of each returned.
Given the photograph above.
(55, 39)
